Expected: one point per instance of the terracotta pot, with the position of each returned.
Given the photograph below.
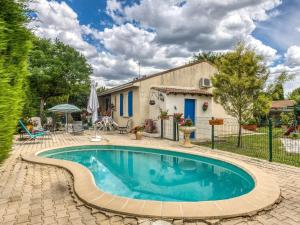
(216, 122)
(164, 117)
(251, 127)
(298, 128)
(138, 135)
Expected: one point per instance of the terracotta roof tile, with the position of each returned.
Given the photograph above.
(169, 90)
(282, 104)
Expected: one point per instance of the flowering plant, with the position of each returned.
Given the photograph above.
(163, 114)
(186, 122)
(137, 129)
(177, 116)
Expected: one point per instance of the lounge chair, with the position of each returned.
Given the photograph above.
(32, 135)
(77, 127)
(125, 129)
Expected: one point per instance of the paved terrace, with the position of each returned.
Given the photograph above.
(39, 194)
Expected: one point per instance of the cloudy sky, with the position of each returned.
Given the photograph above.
(117, 35)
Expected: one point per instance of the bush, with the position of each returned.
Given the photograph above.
(14, 48)
(287, 118)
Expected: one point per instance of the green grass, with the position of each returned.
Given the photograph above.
(257, 146)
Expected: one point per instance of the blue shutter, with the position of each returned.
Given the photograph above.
(130, 104)
(121, 104)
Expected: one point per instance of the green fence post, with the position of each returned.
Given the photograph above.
(212, 135)
(161, 128)
(174, 129)
(270, 140)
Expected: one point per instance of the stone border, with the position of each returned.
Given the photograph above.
(265, 193)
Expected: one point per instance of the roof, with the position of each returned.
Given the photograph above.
(133, 83)
(282, 104)
(184, 91)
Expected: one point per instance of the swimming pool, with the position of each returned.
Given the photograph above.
(154, 174)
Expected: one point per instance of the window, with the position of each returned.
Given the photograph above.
(121, 104)
(130, 104)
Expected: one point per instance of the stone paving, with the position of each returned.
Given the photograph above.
(39, 194)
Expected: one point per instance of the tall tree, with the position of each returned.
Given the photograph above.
(57, 70)
(239, 83)
(295, 95)
(209, 56)
(14, 48)
(275, 89)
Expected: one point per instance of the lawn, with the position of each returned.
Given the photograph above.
(257, 145)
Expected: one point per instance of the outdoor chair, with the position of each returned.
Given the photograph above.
(125, 129)
(77, 127)
(32, 135)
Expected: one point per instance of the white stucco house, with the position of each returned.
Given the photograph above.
(184, 89)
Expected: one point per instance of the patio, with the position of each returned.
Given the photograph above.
(39, 194)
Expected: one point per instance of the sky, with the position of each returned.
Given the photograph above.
(119, 37)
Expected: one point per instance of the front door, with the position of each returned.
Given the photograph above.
(189, 111)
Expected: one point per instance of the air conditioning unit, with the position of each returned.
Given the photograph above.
(205, 82)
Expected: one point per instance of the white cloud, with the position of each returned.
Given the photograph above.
(195, 25)
(270, 54)
(165, 34)
(293, 56)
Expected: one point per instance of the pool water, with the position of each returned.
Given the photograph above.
(152, 174)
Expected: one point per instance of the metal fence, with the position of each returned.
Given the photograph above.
(265, 141)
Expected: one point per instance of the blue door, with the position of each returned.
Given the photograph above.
(189, 111)
(130, 106)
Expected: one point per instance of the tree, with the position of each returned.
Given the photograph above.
(295, 95)
(57, 70)
(275, 89)
(14, 47)
(101, 89)
(211, 57)
(239, 83)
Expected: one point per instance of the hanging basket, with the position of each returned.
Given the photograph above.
(152, 102)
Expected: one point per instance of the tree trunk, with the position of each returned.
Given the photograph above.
(42, 104)
(240, 136)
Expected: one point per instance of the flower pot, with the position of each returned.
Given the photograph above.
(250, 127)
(138, 135)
(164, 117)
(216, 122)
(187, 133)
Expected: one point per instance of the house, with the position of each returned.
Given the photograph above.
(186, 89)
(283, 106)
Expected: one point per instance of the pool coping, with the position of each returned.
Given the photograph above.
(265, 193)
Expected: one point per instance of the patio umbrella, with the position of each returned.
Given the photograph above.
(65, 108)
(92, 108)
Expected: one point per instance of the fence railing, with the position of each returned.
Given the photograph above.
(266, 142)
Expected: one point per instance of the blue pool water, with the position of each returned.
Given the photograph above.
(152, 174)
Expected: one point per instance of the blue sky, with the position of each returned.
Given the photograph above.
(117, 35)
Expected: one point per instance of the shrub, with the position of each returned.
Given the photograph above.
(287, 118)
(14, 48)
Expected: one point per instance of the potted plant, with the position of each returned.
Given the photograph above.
(205, 106)
(177, 117)
(137, 130)
(187, 127)
(163, 115)
(250, 124)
